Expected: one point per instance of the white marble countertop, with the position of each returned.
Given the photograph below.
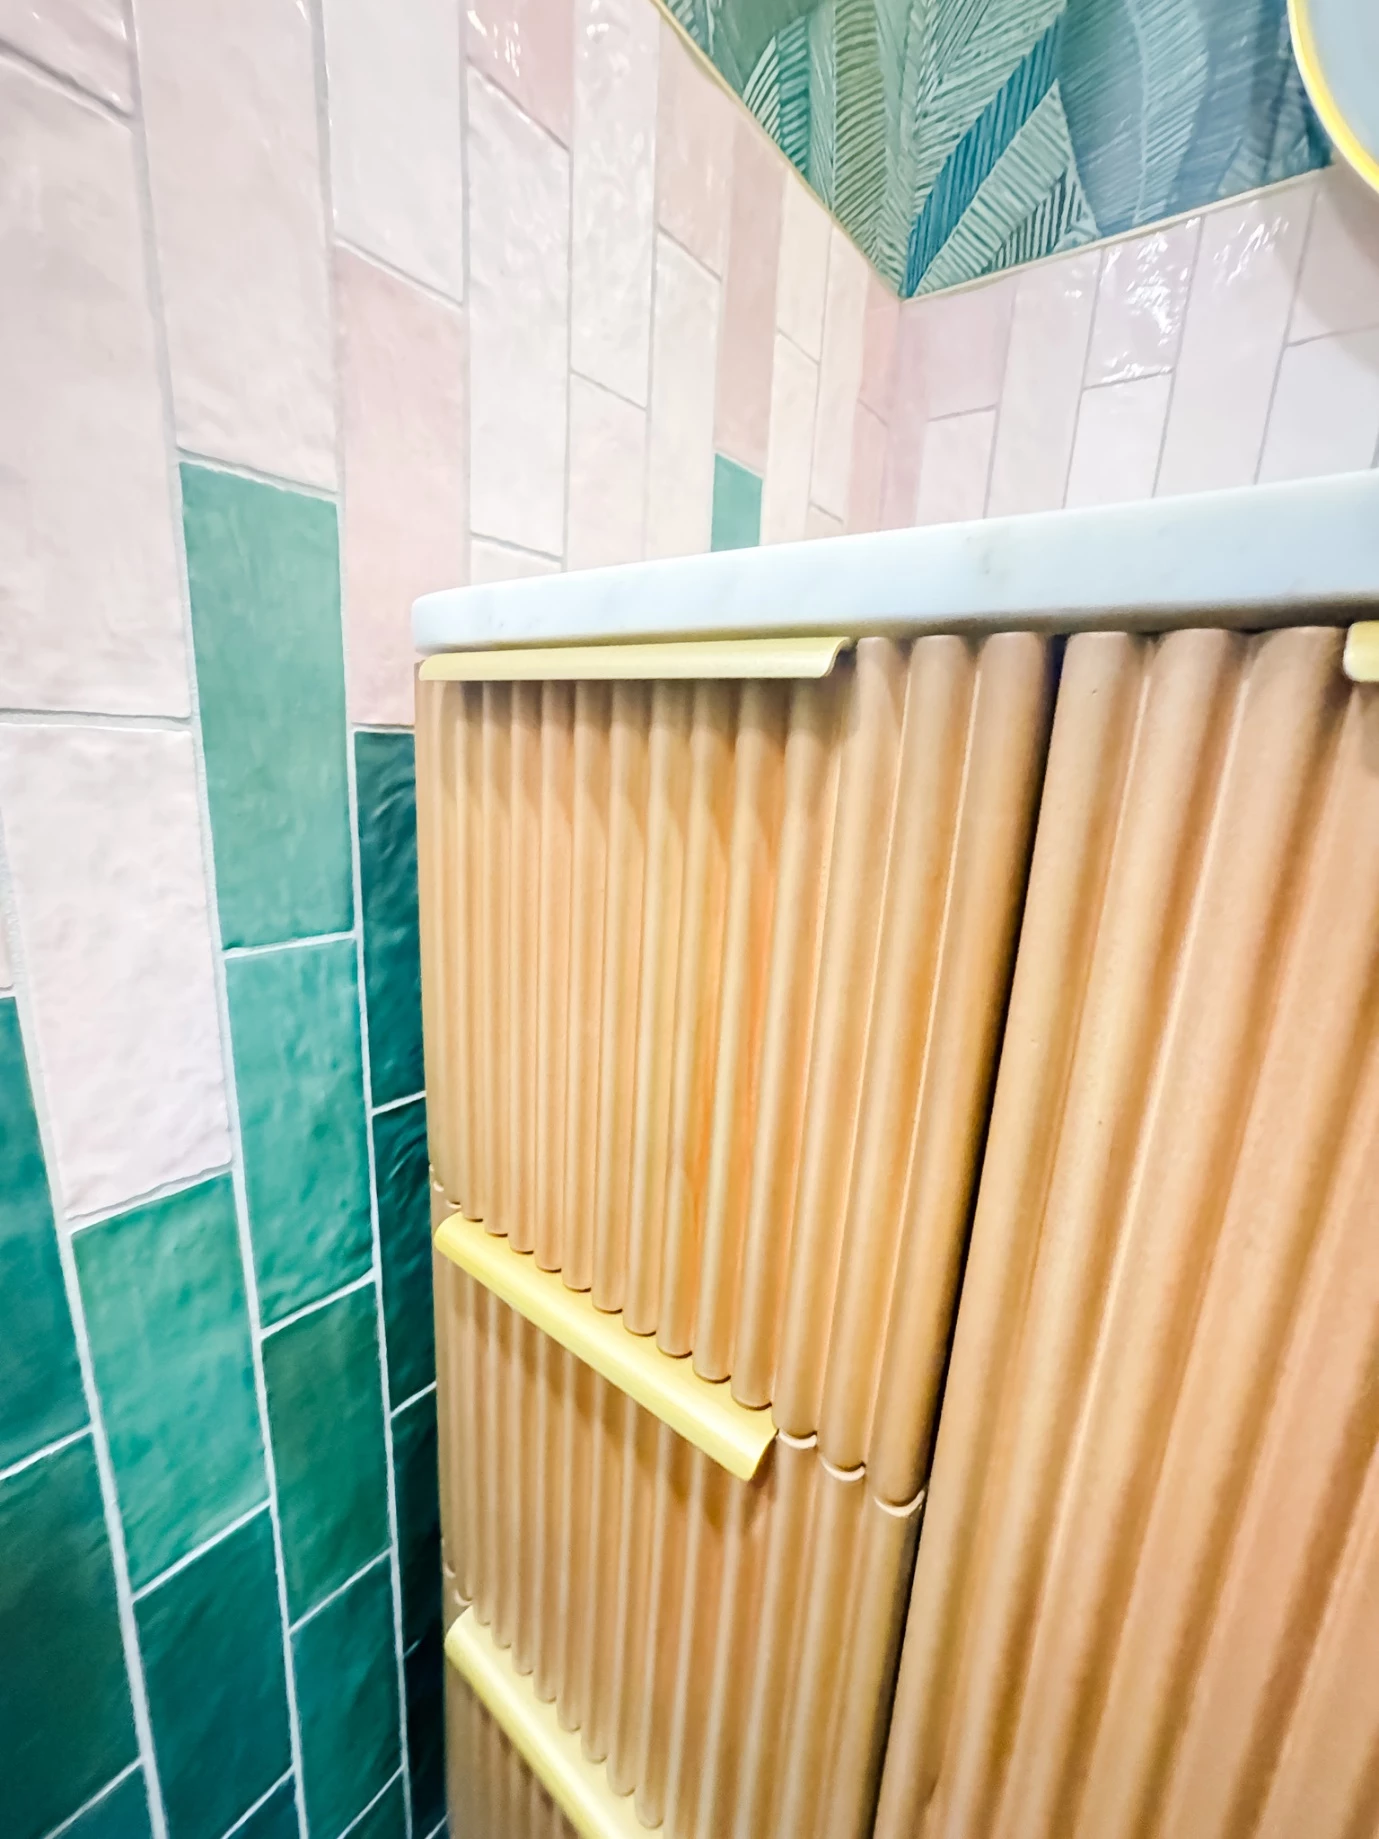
(1259, 556)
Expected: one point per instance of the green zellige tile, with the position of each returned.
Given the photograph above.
(386, 787)
(263, 565)
(346, 1666)
(736, 505)
(418, 1516)
(120, 1814)
(424, 1676)
(325, 1410)
(40, 1384)
(66, 1726)
(294, 1026)
(276, 1818)
(404, 1239)
(212, 1646)
(163, 1291)
(387, 1818)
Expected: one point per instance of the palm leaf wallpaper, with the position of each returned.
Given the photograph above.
(954, 138)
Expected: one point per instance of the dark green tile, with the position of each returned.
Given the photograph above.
(736, 506)
(386, 788)
(387, 1818)
(404, 1240)
(40, 1383)
(265, 589)
(276, 1819)
(346, 1664)
(418, 1516)
(163, 1291)
(66, 1726)
(325, 1409)
(211, 1640)
(424, 1677)
(294, 1023)
(120, 1814)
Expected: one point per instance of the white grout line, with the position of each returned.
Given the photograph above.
(59, 79)
(348, 1289)
(165, 1190)
(415, 1397)
(429, 288)
(439, 1827)
(239, 469)
(262, 1801)
(261, 951)
(510, 548)
(94, 718)
(340, 1589)
(396, 1104)
(347, 1830)
(95, 1801)
(1172, 369)
(198, 1551)
(1283, 343)
(49, 1449)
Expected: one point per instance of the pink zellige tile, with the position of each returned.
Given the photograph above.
(527, 47)
(607, 477)
(957, 462)
(83, 39)
(1338, 288)
(1140, 304)
(962, 342)
(840, 373)
(679, 483)
(785, 488)
(694, 154)
(1325, 414)
(868, 463)
(406, 498)
(803, 285)
(1119, 431)
(878, 346)
(1043, 384)
(742, 404)
(1238, 308)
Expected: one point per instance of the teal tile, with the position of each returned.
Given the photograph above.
(325, 1410)
(122, 1813)
(264, 570)
(736, 506)
(294, 1025)
(404, 1241)
(386, 788)
(424, 1677)
(66, 1726)
(40, 1383)
(163, 1291)
(387, 1818)
(211, 1640)
(276, 1819)
(418, 1516)
(346, 1666)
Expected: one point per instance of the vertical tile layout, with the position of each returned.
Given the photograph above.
(120, 1813)
(163, 1295)
(89, 606)
(736, 505)
(122, 984)
(878, 346)
(840, 374)
(386, 788)
(790, 444)
(347, 1701)
(294, 1025)
(742, 403)
(397, 184)
(276, 1818)
(229, 102)
(1140, 303)
(424, 1670)
(1049, 329)
(803, 286)
(519, 237)
(405, 440)
(58, 1624)
(40, 1384)
(497, 562)
(612, 222)
(607, 477)
(404, 1237)
(679, 466)
(263, 565)
(212, 1644)
(955, 469)
(84, 40)
(418, 1519)
(326, 1413)
(1338, 285)
(527, 48)
(1120, 429)
(1325, 413)
(868, 464)
(694, 153)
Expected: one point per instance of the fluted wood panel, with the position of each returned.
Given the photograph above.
(714, 977)
(1146, 1602)
(490, 1791)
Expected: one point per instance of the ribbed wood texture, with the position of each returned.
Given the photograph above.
(714, 976)
(490, 1791)
(1146, 1602)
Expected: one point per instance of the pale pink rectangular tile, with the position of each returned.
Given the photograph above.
(90, 608)
(909, 414)
(868, 464)
(229, 97)
(6, 969)
(1325, 414)
(684, 359)
(103, 834)
(1119, 432)
(607, 477)
(397, 185)
(821, 523)
(742, 410)
(613, 209)
(84, 40)
(878, 346)
(1043, 384)
(956, 466)
(527, 48)
(840, 373)
(694, 153)
(1141, 300)
(1238, 307)
(961, 340)
(406, 475)
(803, 283)
(497, 562)
(1338, 285)
(519, 274)
(790, 444)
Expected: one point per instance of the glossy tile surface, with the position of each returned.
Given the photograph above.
(418, 1521)
(679, 467)
(840, 375)
(736, 505)
(211, 1640)
(404, 1237)
(527, 48)
(276, 1819)
(1120, 430)
(424, 1675)
(1050, 325)
(385, 784)
(263, 566)
(347, 1698)
(163, 1294)
(789, 444)
(83, 40)
(803, 284)
(746, 332)
(1338, 284)
(607, 478)
(123, 988)
(955, 468)
(386, 1818)
(1141, 300)
(294, 1024)
(694, 154)
(120, 1814)
(1325, 413)
(326, 1416)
